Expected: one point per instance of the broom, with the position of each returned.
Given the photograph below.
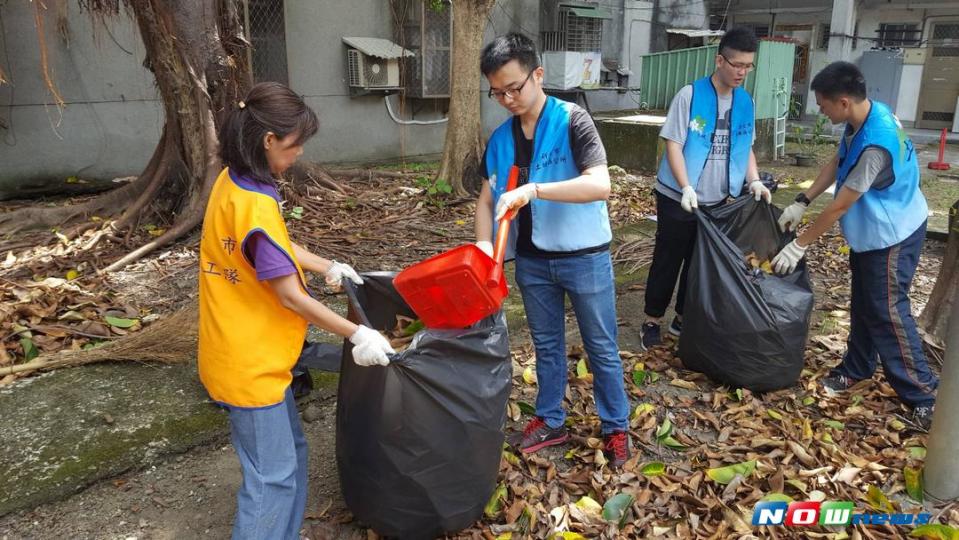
(172, 340)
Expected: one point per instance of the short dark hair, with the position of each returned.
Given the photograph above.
(740, 38)
(840, 79)
(512, 46)
(268, 106)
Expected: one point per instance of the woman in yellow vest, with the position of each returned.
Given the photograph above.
(254, 309)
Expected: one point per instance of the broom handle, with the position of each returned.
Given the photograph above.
(502, 234)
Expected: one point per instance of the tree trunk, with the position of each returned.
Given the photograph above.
(463, 148)
(934, 316)
(195, 50)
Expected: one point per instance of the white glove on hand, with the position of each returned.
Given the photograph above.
(689, 200)
(786, 260)
(792, 216)
(370, 347)
(486, 247)
(760, 191)
(515, 199)
(338, 271)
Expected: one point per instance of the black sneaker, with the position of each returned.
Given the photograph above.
(922, 416)
(537, 435)
(837, 383)
(650, 334)
(616, 449)
(676, 327)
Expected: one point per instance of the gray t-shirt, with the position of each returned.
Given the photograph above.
(874, 168)
(713, 186)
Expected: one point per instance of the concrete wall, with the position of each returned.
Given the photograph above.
(112, 118)
(352, 128)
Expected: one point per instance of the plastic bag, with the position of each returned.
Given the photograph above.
(742, 327)
(419, 442)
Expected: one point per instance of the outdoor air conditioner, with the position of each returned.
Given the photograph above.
(370, 72)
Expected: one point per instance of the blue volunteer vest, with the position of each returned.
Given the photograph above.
(557, 226)
(703, 114)
(882, 217)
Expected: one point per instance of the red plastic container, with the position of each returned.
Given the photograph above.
(461, 286)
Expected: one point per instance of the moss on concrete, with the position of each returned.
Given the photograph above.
(66, 429)
(631, 145)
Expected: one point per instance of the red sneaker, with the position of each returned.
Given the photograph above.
(617, 448)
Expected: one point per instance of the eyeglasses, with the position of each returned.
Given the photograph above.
(738, 66)
(509, 93)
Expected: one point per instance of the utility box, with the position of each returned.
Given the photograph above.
(882, 70)
(570, 69)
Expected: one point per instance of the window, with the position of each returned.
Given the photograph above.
(761, 30)
(824, 32)
(584, 32)
(898, 35)
(266, 31)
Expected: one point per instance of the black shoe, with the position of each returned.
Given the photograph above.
(837, 383)
(922, 416)
(650, 334)
(676, 327)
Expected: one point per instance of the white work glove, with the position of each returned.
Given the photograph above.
(370, 347)
(792, 216)
(338, 271)
(515, 199)
(689, 200)
(486, 247)
(786, 260)
(760, 191)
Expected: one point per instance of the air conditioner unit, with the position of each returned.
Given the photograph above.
(370, 72)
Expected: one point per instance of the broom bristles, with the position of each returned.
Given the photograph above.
(172, 340)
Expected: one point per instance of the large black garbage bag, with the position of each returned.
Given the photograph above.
(419, 442)
(743, 327)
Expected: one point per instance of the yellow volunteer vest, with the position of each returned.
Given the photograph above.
(248, 342)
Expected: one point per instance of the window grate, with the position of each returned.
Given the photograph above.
(898, 35)
(266, 32)
(583, 34)
(427, 31)
(938, 116)
(946, 32)
(945, 51)
(824, 36)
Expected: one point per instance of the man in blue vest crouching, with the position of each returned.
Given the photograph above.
(883, 218)
(560, 239)
(709, 133)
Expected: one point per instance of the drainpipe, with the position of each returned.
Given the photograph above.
(389, 109)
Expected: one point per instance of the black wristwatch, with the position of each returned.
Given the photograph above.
(802, 198)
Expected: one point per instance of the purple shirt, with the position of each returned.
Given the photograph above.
(266, 257)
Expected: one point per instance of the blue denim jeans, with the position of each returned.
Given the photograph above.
(273, 455)
(882, 325)
(588, 281)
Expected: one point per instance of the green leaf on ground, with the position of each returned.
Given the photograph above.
(725, 475)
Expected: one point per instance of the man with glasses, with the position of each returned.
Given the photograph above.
(709, 133)
(560, 239)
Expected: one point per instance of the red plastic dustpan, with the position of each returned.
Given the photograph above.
(461, 286)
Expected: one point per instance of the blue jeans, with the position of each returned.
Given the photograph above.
(588, 280)
(273, 455)
(882, 324)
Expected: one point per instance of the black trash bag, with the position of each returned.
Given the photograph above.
(742, 327)
(419, 442)
(302, 383)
